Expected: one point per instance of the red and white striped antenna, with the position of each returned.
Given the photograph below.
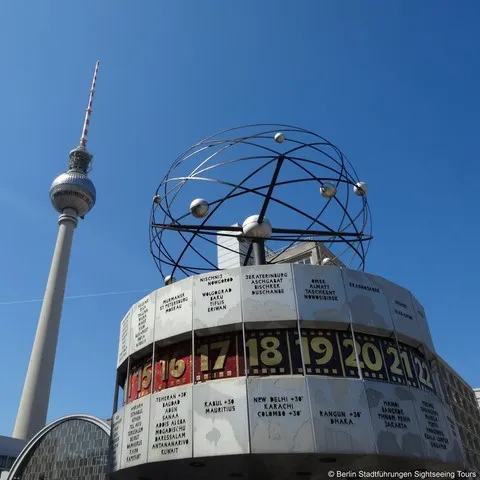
(88, 113)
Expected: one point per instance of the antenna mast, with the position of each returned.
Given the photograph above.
(86, 123)
(80, 158)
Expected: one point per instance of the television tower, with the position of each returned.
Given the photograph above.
(73, 195)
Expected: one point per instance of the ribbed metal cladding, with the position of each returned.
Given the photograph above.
(73, 190)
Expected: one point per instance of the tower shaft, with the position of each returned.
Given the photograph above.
(32, 412)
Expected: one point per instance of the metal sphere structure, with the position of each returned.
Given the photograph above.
(199, 208)
(73, 189)
(274, 171)
(253, 228)
(328, 190)
(360, 188)
(168, 280)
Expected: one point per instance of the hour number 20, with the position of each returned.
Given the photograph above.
(368, 353)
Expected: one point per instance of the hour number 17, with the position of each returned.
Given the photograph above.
(204, 352)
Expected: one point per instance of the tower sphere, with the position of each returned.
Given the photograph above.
(157, 199)
(328, 190)
(326, 261)
(199, 208)
(252, 228)
(73, 189)
(360, 188)
(279, 137)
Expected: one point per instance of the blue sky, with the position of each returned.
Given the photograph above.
(393, 84)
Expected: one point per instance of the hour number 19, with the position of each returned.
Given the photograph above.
(321, 345)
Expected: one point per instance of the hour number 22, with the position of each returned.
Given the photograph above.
(423, 372)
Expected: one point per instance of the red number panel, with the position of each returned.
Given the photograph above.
(173, 365)
(218, 356)
(140, 379)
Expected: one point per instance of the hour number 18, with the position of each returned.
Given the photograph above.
(270, 356)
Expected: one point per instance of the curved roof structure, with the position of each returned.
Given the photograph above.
(77, 444)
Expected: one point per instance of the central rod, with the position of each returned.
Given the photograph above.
(258, 247)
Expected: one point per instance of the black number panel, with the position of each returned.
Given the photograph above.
(268, 352)
(348, 354)
(369, 350)
(393, 361)
(408, 364)
(321, 353)
(422, 370)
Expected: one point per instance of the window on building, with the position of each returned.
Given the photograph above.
(304, 260)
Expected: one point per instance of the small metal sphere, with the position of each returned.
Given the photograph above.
(360, 188)
(251, 227)
(279, 137)
(199, 208)
(168, 280)
(326, 261)
(157, 199)
(328, 190)
(75, 190)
